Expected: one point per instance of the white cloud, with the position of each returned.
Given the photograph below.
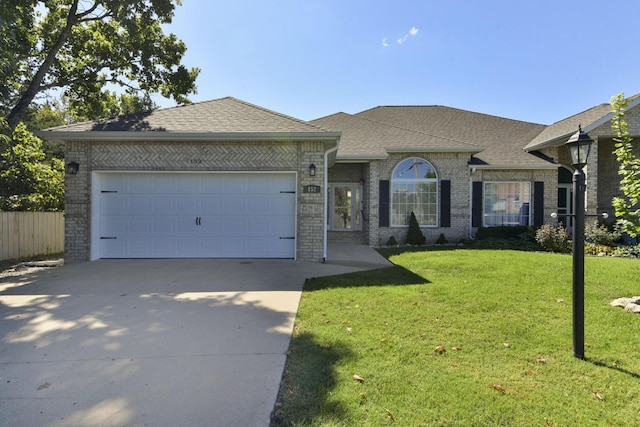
(412, 33)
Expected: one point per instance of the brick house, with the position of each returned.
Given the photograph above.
(228, 179)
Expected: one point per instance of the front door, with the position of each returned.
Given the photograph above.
(345, 207)
(565, 197)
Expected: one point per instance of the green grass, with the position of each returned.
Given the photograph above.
(504, 319)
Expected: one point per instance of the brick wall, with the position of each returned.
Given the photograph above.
(449, 166)
(194, 156)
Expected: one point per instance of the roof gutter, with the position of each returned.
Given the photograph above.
(550, 166)
(474, 150)
(90, 136)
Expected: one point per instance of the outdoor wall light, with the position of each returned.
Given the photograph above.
(312, 170)
(73, 168)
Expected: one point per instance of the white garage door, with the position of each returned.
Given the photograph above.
(196, 215)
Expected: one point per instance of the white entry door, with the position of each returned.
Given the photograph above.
(195, 215)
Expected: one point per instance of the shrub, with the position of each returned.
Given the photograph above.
(414, 234)
(392, 241)
(442, 240)
(595, 249)
(601, 235)
(502, 232)
(554, 238)
(626, 251)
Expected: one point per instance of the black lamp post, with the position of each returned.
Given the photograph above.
(578, 144)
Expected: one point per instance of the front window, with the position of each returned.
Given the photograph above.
(414, 188)
(507, 204)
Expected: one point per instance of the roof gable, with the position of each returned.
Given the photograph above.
(559, 132)
(224, 115)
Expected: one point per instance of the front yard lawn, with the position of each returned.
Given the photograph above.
(464, 338)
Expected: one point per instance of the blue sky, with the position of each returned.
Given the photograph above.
(538, 61)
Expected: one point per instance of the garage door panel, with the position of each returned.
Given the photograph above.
(197, 215)
(211, 205)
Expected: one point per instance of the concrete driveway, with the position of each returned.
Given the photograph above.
(152, 342)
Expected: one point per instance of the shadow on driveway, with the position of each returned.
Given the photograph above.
(148, 342)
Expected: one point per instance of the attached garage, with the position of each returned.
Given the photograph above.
(194, 215)
(215, 179)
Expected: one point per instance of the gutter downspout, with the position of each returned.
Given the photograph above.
(473, 172)
(326, 201)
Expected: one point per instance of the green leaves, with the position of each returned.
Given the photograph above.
(628, 207)
(27, 182)
(83, 47)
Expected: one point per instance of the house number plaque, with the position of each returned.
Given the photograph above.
(311, 189)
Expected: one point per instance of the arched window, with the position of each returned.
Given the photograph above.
(414, 188)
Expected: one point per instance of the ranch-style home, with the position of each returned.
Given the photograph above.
(228, 179)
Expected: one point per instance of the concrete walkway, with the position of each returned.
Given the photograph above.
(153, 342)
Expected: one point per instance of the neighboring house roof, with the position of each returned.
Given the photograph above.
(224, 118)
(368, 140)
(502, 139)
(559, 132)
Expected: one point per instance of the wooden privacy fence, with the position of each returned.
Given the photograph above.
(27, 234)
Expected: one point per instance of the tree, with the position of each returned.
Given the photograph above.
(36, 185)
(627, 207)
(82, 47)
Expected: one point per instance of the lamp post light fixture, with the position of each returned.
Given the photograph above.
(578, 144)
(312, 170)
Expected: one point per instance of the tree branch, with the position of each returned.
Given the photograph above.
(18, 111)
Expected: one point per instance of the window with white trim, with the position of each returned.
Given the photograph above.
(414, 188)
(507, 204)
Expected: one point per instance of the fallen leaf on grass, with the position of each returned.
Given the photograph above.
(597, 395)
(389, 414)
(440, 349)
(457, 348)
(358, 378)
(325, 346)
(541, 360)
(363, 396)
(506, 345)
(499, 388)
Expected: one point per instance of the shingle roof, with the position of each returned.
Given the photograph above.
(224, 115)
(503, 139)
(367, 139)
(560, 131)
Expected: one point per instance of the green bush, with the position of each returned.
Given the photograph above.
(601, 235)
(626, 251)
(554, 238)
(392, 241)
(503, 232)
(414, 234)
(442, 240)
(595, 249)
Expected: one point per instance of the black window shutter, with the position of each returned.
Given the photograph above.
(383, 206)
(445, 203)
(476, 204)
(538, 203)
